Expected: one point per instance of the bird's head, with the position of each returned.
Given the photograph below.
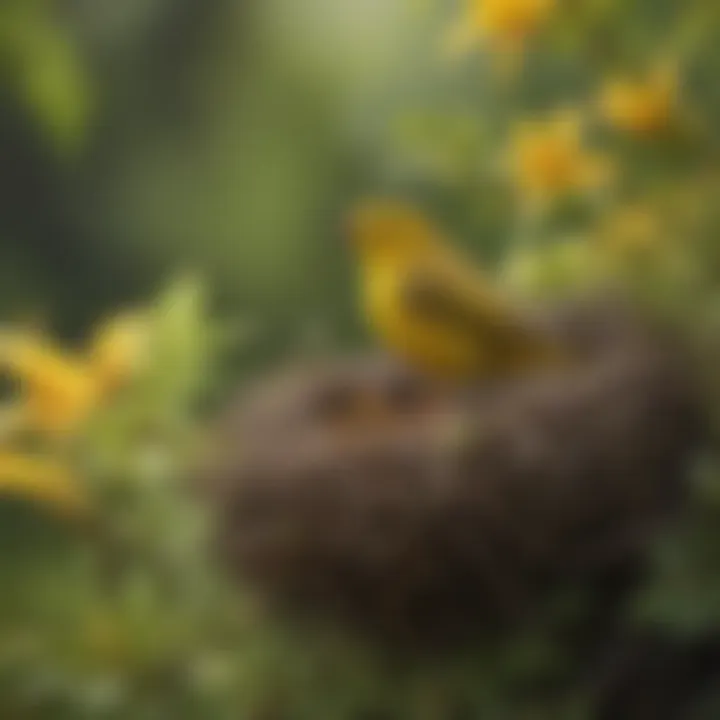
(383, 230)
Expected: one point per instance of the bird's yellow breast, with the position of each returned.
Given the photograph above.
(425, 344)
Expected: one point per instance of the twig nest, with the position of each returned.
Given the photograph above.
(361, 490)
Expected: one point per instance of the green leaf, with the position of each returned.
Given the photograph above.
(40, 60)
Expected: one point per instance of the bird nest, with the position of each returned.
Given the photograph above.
(360, 490)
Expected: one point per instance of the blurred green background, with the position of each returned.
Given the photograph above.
(229, 136)
(147, 137)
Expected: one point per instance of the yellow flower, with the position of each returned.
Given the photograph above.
(57, 391)
(42, 481)
(548, 159)
(508, 24)
(644, 107)
(511, 20)
(60, 390)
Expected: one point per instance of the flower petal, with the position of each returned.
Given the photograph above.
(41, 481)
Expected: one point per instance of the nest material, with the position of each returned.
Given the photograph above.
(359, 489)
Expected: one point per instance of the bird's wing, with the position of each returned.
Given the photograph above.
(441, 294)
(467, 302)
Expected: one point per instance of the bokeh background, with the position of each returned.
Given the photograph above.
(231, 137)
(197, 158)
(224, 137)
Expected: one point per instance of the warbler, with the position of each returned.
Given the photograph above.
(431, 307)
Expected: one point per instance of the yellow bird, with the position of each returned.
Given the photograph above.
(432, 308)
